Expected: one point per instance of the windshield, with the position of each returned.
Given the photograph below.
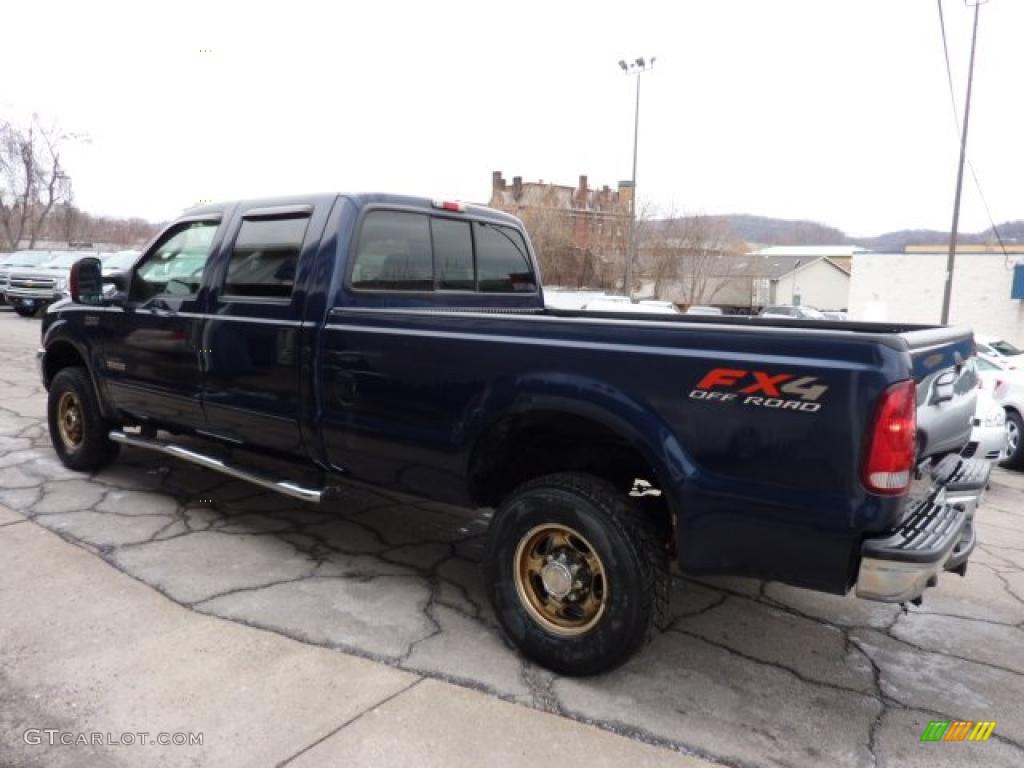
(64, 260)
(1005, 348)
(27, 259)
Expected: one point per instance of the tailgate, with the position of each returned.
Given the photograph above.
(946, 387)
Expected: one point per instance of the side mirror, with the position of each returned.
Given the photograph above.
(115, 286)
(86, 281)
(943, 388)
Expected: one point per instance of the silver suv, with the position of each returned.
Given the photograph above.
(38, 278)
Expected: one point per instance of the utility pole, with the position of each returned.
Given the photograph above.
(637, 67)
(947, 292)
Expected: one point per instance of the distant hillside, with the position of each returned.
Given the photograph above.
(769, 231)
(765, 230)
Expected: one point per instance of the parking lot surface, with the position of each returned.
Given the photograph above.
(748, 673)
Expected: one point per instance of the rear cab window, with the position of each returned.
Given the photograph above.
(422, 252)
(265, 256)
(502, 260)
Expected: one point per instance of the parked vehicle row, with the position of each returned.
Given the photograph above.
(1002, 384)
(801, 312)
(31, 280)
(999, 350)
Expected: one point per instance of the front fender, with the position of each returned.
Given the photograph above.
(60, 334)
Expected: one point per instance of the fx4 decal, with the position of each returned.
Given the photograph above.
(785, 391)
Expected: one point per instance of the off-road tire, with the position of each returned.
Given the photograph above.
(96, 449)
(625, 539)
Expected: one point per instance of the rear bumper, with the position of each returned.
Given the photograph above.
(938, 535)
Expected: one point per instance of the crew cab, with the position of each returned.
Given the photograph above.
(405, 343)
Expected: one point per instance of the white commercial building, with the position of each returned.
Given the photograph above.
(908, 287)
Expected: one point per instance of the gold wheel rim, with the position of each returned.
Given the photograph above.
(69, 420)
(560, 579)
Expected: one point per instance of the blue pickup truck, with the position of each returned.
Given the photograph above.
(405, 343)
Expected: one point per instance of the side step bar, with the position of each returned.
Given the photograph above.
(281, 486)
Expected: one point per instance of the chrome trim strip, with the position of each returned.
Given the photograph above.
(294, 490)
(190, 315)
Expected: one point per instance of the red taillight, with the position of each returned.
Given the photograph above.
(892, 443)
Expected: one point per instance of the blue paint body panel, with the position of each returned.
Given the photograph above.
(400, 389)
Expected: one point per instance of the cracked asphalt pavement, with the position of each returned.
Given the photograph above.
(748, 673)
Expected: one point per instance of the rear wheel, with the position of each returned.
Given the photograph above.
(1014, 441)
(577, 574)
(77, 429)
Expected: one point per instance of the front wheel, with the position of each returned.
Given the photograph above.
(577, 574)
(1014, 441)
(26, 311)
(79, 434)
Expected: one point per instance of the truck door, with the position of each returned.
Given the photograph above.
(150, 346)
(396, 387)
(252, 334)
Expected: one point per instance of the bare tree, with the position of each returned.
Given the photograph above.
(32, 178)
(691, 259)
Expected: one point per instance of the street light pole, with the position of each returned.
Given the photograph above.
(947, 291)
(637, 67)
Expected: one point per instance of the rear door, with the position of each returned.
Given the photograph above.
(150, 346)
(251, 338)
(396, 387)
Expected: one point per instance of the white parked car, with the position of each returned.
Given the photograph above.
(989, 437)
(659, 306)
(697, 309)
(565, 298)
(999, 350)
(625, 305)
(1006, 387)
(792, 311)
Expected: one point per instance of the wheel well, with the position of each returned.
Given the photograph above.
(522, 447)
(60, 355)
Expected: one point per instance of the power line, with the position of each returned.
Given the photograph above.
(956, 123)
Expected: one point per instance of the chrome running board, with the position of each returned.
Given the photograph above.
(313, 495)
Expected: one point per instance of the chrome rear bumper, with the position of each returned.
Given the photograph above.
(938, 535)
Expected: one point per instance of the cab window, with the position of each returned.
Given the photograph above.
(407, 251)
(394, 253)
(265, 256)
(174, 267)
(502, 263)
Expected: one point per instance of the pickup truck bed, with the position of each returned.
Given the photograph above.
(399, 342)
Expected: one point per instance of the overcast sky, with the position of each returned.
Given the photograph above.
(831, 110)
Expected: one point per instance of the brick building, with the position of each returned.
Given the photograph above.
(580, 233)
